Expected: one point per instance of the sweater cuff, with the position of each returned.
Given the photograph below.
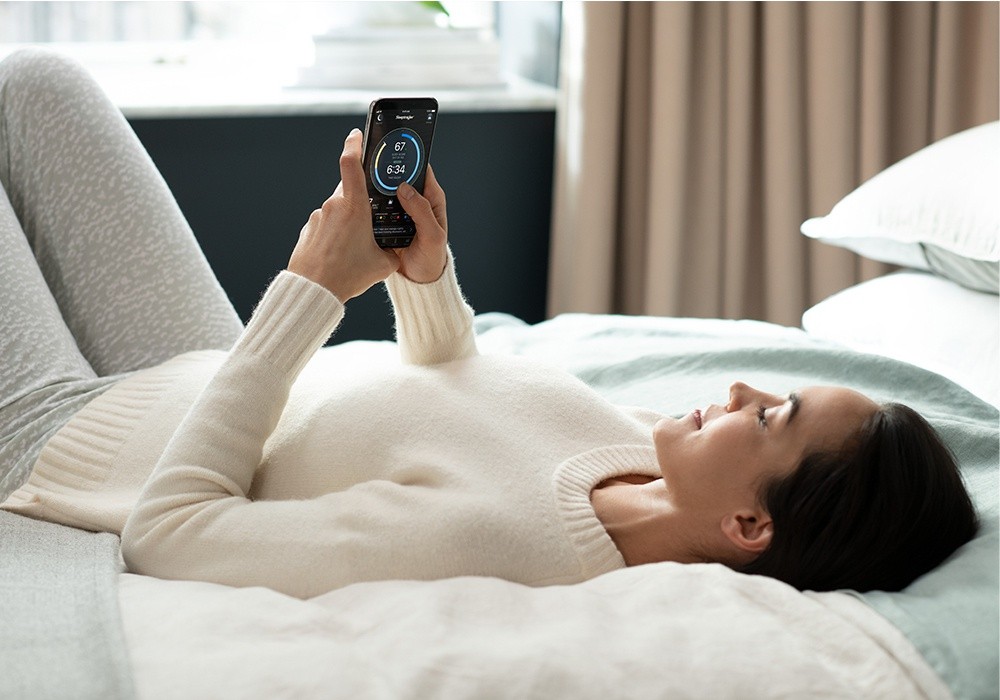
(293, 319)
(430, 314)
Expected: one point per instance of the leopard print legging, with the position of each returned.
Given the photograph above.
(100, 274)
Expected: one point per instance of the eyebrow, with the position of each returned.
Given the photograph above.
(794, 399)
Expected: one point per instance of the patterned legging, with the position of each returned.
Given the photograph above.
(100, 274)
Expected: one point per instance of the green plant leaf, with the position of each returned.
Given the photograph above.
(435, 6)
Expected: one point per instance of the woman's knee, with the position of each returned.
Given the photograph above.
(38, 71)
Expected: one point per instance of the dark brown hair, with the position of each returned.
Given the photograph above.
(887, 508)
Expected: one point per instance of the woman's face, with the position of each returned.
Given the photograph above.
(715, 459)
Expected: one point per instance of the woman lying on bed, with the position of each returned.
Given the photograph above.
(245, 457)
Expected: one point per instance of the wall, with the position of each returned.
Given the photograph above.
(247, 184)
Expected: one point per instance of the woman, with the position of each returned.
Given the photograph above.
(246, 457)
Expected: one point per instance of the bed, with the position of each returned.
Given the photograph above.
(926, 335)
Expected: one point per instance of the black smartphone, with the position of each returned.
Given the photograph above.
(398, 135)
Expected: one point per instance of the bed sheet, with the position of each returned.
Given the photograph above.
(663, 630)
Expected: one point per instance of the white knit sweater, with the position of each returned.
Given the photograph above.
(304, 471)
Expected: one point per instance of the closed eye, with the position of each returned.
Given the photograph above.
(762, 415)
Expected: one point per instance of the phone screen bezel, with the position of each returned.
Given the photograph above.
(397, 239)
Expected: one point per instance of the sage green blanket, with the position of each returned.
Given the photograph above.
(60, 630)
(674, 365)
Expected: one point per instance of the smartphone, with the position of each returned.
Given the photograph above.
(397, 145)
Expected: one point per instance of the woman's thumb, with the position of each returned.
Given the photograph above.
(415, 205)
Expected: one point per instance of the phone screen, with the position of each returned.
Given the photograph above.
(398, 138)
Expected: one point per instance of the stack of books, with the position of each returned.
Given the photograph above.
(398, 57)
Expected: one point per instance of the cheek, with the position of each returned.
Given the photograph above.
(716, 459)
(685, 456)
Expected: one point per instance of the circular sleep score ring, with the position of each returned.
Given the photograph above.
(398, 157)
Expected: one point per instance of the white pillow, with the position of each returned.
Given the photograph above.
(922, 319)
(938, 210)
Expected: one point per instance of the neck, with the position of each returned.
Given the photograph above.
(642, 522)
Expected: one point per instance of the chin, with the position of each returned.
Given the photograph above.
(662, 433)
(662, 424)
(668, 430)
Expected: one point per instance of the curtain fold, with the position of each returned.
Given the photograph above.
(694, 138)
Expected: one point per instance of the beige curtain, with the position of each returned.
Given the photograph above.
(694, 138)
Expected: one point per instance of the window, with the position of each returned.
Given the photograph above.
(241, 46)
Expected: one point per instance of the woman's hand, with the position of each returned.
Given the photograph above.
(424, 260)
(336, 247)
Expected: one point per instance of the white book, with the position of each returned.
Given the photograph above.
(412, 46)
(368, 76)
(410, 53)
(403, 33)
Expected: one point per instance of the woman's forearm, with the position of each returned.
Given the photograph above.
(208, 465)
(433, 320)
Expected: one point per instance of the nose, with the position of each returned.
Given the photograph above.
(739, 395)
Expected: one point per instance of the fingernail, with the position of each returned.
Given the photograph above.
(405, 190)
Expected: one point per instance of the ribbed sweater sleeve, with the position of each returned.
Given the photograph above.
(188, 517)
(433, 320)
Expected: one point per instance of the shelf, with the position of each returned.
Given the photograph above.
(156, 101)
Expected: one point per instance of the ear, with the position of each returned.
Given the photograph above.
(749, 531)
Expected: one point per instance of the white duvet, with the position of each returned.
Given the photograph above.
(663, 630)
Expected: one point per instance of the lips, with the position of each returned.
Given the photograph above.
(697, 418)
